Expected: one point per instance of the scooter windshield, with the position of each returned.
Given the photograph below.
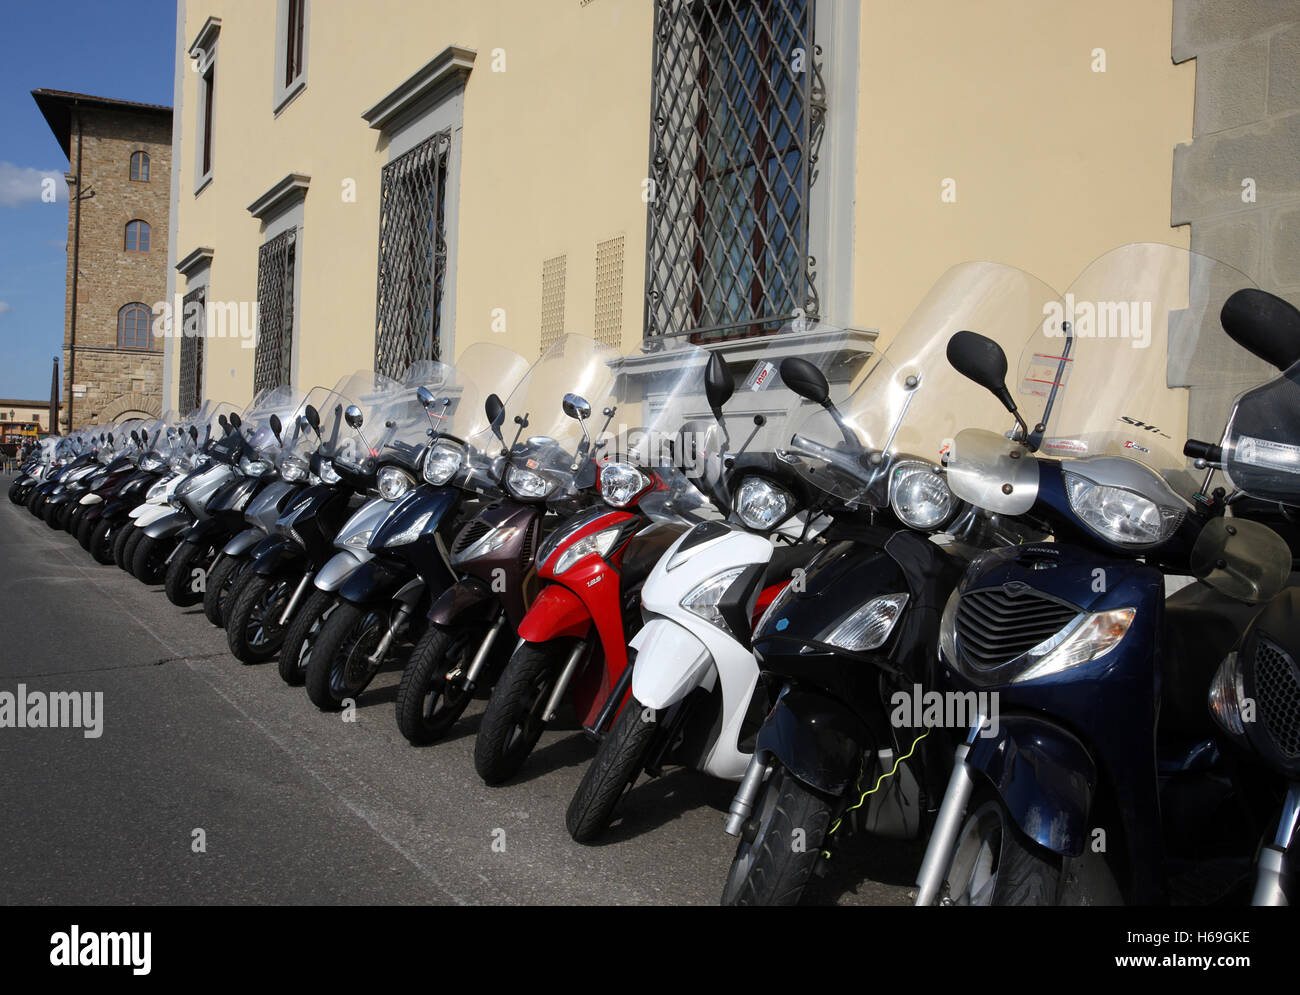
(655, 442)
(1261, 444)
(548, 446)
(1115, 366)
(353, 440)
(257, 428)
(905, 409)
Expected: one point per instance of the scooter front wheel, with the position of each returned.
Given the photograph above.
(300, 637)
(780, 845)
(186, 577)
(220, 586)
(101, 542)
(149, 559)
(994, 863)
(253, 630)
(619, 761)
(119, 543)
(340, 666)
(513, 721)
(427, 703)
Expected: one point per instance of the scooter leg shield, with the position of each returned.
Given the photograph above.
(817, 740)
(670, 664)
(556, 614)
(1045, 776)
(168, 526)
(243, 542)
(468, 600)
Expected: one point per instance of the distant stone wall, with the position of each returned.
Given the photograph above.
(1237, 183)
(110, 276)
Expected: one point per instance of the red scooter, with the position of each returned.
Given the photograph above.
(574, 637)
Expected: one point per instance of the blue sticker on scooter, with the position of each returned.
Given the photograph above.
(781, 625)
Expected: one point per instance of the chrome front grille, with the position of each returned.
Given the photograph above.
(1277, 685)
(995, 625)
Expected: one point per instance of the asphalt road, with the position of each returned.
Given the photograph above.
(296, 806)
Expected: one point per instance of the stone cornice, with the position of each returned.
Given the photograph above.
(283, 194)
(202, 256)
(441, 74)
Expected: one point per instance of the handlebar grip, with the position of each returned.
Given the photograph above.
(1203, 450)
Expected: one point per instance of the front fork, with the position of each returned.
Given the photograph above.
(562, 685)
(742, 805)
(480, 657)
(938, 852)
(1272, 873)
(297, 596)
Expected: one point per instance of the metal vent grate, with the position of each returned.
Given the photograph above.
(469, 535)
(412, 256)
(609, 292)
(995, 626)
(190, 394)
(526, 547)
(275, 262)
(1278, 686)
(553, 271)
(737, 114)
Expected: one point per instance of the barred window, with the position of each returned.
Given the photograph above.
(140, 166)
(737, 113)
(412, 256)
(137, 236)
(134, 326)
(275, 269)
(193, 328)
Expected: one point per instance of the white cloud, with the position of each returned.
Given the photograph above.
(4, 307)
(21, 185)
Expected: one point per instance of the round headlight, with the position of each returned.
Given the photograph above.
(150, 461)
(919, 495)
(620, 483)
(328, 474)
(528, 484)
(293, 469)
(1119, 515)
(761, 504)
(158, 492)
(253, 467)
(394, 483)
(441, 462)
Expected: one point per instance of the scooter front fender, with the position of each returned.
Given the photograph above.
(1045, 776)
(168, 525)
(276, 555)
(373, 582)
(670, 664)
(557, 613)
(91, 498)
(468, 600)
(816, 739)
(243, 542)
(337, 569)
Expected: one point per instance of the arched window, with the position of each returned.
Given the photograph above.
(137, 236)
(140, 166)
(134, 327)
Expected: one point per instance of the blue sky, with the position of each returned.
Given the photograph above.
(110, 48)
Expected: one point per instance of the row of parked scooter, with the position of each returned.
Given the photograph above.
(897, 596)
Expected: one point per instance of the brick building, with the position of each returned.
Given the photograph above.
(119, 185)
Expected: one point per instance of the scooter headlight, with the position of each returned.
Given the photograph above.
(441, 462)
(529, 485)
(761, 504)
(621, 483)
(253, 467)
(328, 474)
(919, 495)
(1118, 515)
(293, 469)
(151, 461)
(489, 543)
(868, 627)
(360, 541)
(1227, 695)
(158, 492)
(705, 599)
(599, 543)
(394, 483)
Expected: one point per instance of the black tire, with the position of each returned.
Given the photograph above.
(50, 513)
(179, 582)
(426, 706)
(618, 762)
(253, 630)
(781, 844)
(34, 501)
(512, 723)
(120, 540)
(133, 541)
(149, 559)
(221, 583)
(13, 490)
(301, 635)
(994, 863)
(74, 519)
(65, 515)
(338, 667)
(101, 542)
(84, 531)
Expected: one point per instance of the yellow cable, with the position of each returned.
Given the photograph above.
(881, 780)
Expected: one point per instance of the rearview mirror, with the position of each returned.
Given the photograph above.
(224, 422)
(496, 413)
(425, 397)
(352, 415)
(1264, 325)
(718, 384)
(135, 437)
(276, 426)
(576, 406)
(980, 359)
(235, 420)
(194, 433)
(805, 380)
(313, 418)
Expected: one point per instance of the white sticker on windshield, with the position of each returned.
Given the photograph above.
(1045, 371)
(1269, 454)
(760, 377)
